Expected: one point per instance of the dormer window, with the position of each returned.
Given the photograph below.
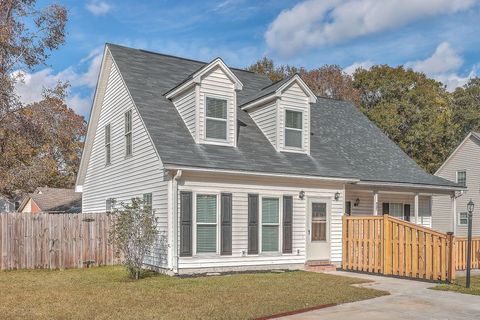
(216, 119)
(293, 129)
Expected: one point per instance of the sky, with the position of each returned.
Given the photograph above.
(437, 37)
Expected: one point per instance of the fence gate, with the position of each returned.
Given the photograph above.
(55, 241)
(390, 246)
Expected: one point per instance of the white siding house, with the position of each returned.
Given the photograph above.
(244, 174)
(463, 167)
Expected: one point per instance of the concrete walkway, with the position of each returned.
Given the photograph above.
(407, 300)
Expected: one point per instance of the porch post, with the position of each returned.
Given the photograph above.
(375, 203)
(416, 208)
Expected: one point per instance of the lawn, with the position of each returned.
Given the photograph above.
(106, 293)
(459, 286)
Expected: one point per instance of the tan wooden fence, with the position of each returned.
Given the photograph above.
(390, 246)
(461, 253)
(55, 241)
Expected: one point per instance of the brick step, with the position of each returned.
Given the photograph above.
(317, 262)
(321, 268)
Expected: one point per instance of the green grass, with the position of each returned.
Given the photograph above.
(459, 286)
(107, 293)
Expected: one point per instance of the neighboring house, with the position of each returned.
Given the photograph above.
(6, 204)
(242, 173)
(52, 200)
(462, 166)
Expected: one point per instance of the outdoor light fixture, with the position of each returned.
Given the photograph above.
(357, 202)
(337, 195)
(470, 207)
(301, 194)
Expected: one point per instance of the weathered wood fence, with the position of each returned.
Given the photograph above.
(55, 241)
(390, 246)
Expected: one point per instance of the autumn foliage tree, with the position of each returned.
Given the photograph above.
(40, 143)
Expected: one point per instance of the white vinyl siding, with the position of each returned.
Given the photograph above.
(126, 178)
(464, 159)
(186, 106)
(265, 118)
(295, 99)
(270, 188)
(217, 84)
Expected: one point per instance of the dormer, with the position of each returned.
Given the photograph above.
(207, 103)
(282, 112)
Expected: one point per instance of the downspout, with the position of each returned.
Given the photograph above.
(175, 179)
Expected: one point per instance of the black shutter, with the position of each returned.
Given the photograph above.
(226, 223)
(287, 223)
(386, 208)
(406, 212)
(253, 224)
(185, 224)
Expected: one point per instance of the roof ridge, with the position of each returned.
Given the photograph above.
(176, 57)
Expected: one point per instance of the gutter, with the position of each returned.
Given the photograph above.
(410, 185)
(175, 179)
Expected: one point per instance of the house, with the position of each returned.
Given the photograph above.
(51, 200)
(241, 172)
(6, 204)
(463, 167)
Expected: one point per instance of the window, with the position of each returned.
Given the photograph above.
(206, 223)
(463, 219)
(128, 133)
(396, 210)
(293, 129)
(270, 224)
(319, 221)
(110, 205)
(216, 119)
(147, 201)
(462, 178)
(107, 144)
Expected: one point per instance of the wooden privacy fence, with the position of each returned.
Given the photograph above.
(55, 241)
(390, 246)
(461, 253)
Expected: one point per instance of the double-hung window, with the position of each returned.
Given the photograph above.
(110, 205)
(462, 178)
(463, 219)
(206, 223)
(293, 129)
(128, 133)
(396, 210)
(107, 144)
(147, 201)
(270, 224)
(216, 119)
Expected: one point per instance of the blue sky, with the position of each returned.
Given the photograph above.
(438, 37)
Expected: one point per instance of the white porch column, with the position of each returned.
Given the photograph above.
(416, 208)
(375, 203)
(454, 211)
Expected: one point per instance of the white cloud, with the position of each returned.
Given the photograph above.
(354, 66)
(443, 65)
(316, 23)
(98, 8)
(31, 87)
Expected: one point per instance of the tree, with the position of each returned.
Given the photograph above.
(133, 233)
(275, 73)
(40, 143)
(332, 82)
(413, 110)
(466, 108)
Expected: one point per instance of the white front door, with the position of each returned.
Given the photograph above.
(318, 229)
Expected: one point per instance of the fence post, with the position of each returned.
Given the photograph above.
(451, 263)
(344, 242)
(387, 246)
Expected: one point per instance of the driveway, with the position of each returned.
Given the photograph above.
(407, 300)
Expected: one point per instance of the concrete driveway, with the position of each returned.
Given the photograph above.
(407, 300)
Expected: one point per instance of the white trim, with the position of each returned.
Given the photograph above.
(408, 185)
(417, 209)
(254, 173)
(261, 101)
(375, 203)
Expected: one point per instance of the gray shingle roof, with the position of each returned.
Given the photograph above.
(271, 88)
(57, 200)
(344, 143)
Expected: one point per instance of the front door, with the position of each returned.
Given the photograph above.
(318, 229)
